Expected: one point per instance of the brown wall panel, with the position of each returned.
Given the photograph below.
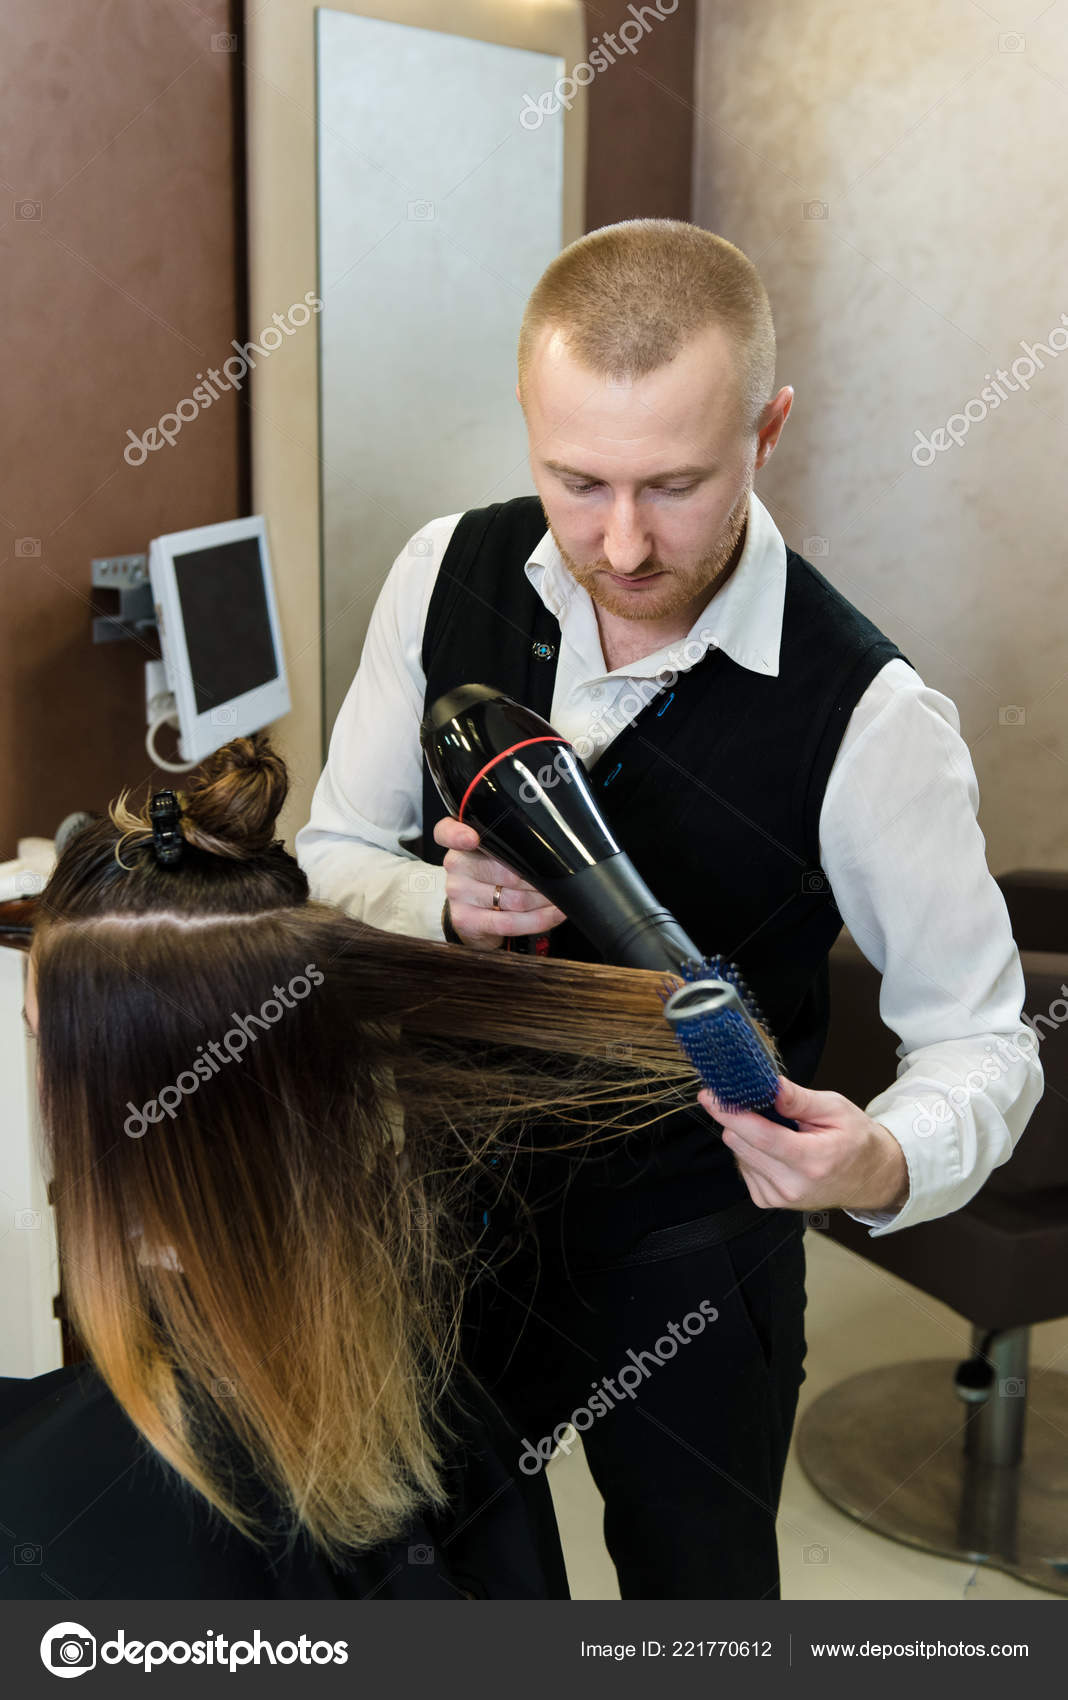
(641, 114)
(125, 281)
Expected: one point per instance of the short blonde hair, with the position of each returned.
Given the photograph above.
(627, 297)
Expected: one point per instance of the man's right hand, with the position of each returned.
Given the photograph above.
(472, 876)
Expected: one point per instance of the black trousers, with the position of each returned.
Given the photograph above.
(681, 1374)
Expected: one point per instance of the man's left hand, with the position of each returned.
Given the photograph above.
(840, 1159)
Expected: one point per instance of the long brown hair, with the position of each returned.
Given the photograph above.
(262, 1116)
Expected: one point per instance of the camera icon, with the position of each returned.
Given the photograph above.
(27, 546)
(68, 1649)
(223, 1389)
(420, 209)
(619, 1052)
(814, 880)
(27, 1218)
(814, 209)
(1011, 42)
(224, 44)
(422, 881)
(27, 1553)
(815, 546)
(420, 1555)
(817, 1218)
(1011, 714)
(226, 716)
(27, 209)
(420, 546)
(815, 1554)
(29, 883)
(1012, 1387)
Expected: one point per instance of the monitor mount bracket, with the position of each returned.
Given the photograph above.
(136, 617)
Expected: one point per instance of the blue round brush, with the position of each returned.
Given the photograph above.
(714, 1017)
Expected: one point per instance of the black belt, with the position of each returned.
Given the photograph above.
(684, 1237)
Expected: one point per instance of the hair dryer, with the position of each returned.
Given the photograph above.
(488, 757)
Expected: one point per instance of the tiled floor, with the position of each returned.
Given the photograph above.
(857, 1318)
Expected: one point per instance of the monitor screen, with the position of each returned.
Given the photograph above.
(225, 614)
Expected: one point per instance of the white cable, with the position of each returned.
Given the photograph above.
(168, 719)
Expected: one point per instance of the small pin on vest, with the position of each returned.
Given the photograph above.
(543, 651)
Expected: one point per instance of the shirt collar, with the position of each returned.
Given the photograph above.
(743, 618)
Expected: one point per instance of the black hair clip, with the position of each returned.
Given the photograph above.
(167, 839)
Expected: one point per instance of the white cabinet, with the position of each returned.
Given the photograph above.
(30, 1342)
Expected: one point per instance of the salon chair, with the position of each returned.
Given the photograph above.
(967, 1459)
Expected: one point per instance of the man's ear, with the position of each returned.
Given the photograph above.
(518, 397)
(774, 418)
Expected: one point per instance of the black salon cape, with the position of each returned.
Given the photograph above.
(89, 1511)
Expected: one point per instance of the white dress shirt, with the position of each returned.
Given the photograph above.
(899, 843)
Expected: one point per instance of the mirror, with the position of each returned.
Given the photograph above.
(438, 209)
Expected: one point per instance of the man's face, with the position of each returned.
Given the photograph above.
(646, 486)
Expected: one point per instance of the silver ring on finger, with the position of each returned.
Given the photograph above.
(497, 896)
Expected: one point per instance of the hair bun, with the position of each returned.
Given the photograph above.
(232, 804)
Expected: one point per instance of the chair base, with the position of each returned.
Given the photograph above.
(888, 1448)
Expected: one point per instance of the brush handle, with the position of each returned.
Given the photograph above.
(783, 1121)
(772, 1115)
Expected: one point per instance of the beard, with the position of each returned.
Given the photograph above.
(680, 588)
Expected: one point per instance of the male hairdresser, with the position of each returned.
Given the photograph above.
(774, 766)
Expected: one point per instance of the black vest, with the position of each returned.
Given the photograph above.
(714, 790)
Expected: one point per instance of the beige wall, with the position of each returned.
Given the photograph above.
(935, 137)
